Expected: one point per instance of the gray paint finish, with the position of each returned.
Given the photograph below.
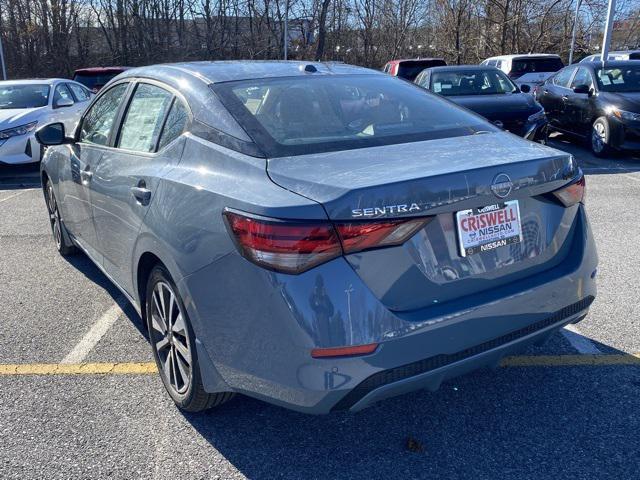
(255, 327)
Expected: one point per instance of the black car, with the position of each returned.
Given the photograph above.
(489, 92)
(411, 67)
(598, 102)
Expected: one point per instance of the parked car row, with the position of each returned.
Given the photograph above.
(590, 100)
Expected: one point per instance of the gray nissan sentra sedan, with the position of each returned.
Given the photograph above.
(319, 236)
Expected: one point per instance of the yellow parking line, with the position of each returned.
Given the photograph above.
(146, 368)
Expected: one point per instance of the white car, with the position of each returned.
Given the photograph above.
(531, 69)
(27, 104)
(620, 55)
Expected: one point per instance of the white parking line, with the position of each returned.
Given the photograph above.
(14, 195)
(97, 331)
(632, 177)
(578, 341)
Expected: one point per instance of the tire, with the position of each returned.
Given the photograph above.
(600, 138)
(63, 242)
(173, 344)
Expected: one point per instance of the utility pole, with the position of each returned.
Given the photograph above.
(573, 32)
(286, 28)
(606, 40)
(4, 68)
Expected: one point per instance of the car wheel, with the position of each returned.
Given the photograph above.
(173, 344)
(60, 236)
(600, 137)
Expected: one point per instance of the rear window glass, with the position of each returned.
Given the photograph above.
(410, 70)
(297, 115)
(529, 65)
(469, 82)
(94, 81)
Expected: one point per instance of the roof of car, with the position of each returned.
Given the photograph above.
(450, 68)
(226, 71)
(101, 69)
(34, 81)
(525, 55)
(608, 63)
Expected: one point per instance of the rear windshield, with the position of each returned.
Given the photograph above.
(528, 65)
(410, 70)
(23, 96)
(469, 82)
(298, 115)
(94, 80)
(619, 79)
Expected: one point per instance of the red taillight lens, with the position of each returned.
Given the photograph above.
(344, 351)
(286, 247)
(296, 247)
(362, 236)
(572, 194)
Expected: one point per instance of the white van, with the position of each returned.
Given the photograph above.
(530, 69)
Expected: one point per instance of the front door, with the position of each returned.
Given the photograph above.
(579, 106)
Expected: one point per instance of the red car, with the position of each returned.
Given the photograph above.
(95, 78)
(410, 68)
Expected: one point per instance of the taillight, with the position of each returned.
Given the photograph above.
(294, 247)
(572, 194)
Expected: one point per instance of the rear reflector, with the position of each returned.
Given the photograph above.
(572, 194)
(344, 351)
(294, 247)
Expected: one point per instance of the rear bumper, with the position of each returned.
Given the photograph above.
(257, 329)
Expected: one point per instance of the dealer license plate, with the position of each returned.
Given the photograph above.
(487, 228)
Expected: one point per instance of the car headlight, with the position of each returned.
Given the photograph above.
(539, 115)
(624, 115)
(17, 131)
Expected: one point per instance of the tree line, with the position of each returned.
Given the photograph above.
(53, 37)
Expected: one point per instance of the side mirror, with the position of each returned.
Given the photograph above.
(63, 102)
(52, 134)
(583, 89)
(525, 88)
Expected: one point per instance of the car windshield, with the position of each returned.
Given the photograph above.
(619, 79)
(471, 82)
(93, 80)
(23, 96)
(520, 66)
(297, 115)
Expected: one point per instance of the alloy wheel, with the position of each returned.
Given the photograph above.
(54, 216)
(598, 137)
(170, 338)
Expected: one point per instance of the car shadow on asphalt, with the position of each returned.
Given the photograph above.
(84, 265)
(522, 422)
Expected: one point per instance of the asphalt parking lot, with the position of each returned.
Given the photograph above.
(79, 399)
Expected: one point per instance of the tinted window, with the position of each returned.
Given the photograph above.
(97, 124)
(94, 81)
(144, 118)
(410, 70)
(619, 79)
(81, 94)
(634, 56)
(290, 116)
(62, 92)
(23, 96)
(583, 77)
(469, 82)
(527, 65)
(563, 78)
(174, 126)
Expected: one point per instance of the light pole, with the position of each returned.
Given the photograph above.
(573, 32)
(4, 69)
(606, 41)
(286, 29)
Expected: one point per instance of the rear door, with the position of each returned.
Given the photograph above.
(128, 176)
(93, 140)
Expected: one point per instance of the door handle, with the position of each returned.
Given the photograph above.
(141, 193)
(86, 175)
(565, 98)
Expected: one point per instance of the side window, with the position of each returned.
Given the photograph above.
(145, 116)
(81, 93)
(583, 77)
(97, 124)
(499, 64)
(387, 67)
(563, 77)
(61, 93)
(492, 63)
(175, 124)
